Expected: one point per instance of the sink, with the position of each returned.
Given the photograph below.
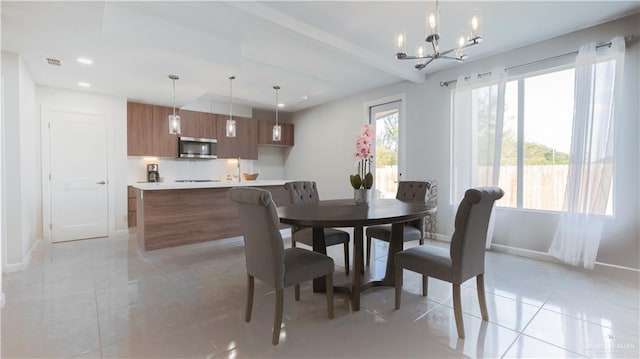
(198, 180)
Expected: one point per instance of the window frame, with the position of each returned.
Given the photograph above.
(520, 78)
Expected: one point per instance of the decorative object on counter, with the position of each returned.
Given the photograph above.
(363, 180)
(174, 120)
(231, 123)
(277, 129)
(249, 176)
(422, 58)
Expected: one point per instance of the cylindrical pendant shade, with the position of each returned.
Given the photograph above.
(231, 128)
(174, 124)
(277, 133)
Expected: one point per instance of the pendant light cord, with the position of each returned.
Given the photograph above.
(231, 97)
(174, 97)
(277, 105)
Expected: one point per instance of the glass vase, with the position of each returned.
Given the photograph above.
(361, 196)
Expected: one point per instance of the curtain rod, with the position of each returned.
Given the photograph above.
(447, 83)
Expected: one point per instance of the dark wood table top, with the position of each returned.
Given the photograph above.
(345, 213)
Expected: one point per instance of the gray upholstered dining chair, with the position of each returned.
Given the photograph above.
(414, 230)
(306, 192)
(465, 257)
(268, 260)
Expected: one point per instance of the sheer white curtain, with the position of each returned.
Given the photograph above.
(477, 135)
(597, 88)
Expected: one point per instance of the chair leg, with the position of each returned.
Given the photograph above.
(249, 308)
(425, 285)
(277, 319)
(296, 291)
(398, 286)
(346, 258)
(368, 251)
(481, 298)
(457, 310)
(329, 283)
(421, 241)
(293, 242)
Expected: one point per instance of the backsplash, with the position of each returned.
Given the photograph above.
(270, 166)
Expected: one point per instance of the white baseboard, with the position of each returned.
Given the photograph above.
(524, 252)
(24, 263)
(543, 256)
(120, 233)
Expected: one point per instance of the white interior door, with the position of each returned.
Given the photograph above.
(386, 118)
(78, 167)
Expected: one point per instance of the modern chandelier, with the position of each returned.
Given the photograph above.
(277, 129)
(174, 120)
(231, 123)
(455, 54)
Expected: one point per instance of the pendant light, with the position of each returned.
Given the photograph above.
(174, 120)
(277, 129)
(231, 123)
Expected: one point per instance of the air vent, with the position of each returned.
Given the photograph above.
(54, 62)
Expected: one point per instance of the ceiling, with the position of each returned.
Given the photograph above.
(319, 50)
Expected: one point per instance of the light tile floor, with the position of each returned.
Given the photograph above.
(103, 298)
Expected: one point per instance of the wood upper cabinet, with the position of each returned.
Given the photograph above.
(140, 140)
(148, 131)
(166, 143)
(265, 130)
(198, 124)
(244, 145)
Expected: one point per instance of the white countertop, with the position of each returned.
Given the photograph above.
(150, 186)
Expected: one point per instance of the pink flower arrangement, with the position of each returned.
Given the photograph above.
(364, 153)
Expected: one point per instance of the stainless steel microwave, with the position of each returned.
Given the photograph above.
(191, 147)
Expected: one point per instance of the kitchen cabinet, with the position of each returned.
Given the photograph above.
(244, 145)
(131, 206)
(148, 131)
(165, 221)
(198, 124)
(265, 130)
(140, 140)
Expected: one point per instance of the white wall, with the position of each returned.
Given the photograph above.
(325, 143)
(21, 207)
(115, 111)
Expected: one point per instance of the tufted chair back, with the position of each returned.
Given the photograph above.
(302, 192)
(263, 245)
(409, 191)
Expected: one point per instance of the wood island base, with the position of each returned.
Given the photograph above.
(175, 217)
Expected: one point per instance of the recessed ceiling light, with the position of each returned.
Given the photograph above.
(84, 84)
(305, 97)
(280, 105)
(84, 60)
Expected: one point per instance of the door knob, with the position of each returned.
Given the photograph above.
(101, 182)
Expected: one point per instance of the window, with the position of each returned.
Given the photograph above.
(536, 138)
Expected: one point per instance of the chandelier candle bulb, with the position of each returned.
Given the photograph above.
(400, 43)
(474, 27)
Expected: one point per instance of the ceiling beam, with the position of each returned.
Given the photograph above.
(363, 55)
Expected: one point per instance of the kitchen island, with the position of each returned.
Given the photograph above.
(172, 214)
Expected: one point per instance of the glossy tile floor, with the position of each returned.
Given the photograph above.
(102, 298)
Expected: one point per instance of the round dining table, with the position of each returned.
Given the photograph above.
(346, 213)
